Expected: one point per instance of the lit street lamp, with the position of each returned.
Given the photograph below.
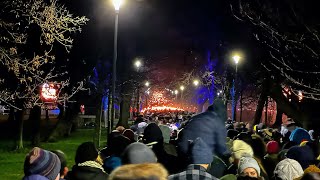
(117, 4)
(147, 84)
(182, 89)
(176, 93)
(196, 82)
(138, 63)
(236, 58)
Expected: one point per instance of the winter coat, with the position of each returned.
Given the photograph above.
(270, 161)
(86, 173)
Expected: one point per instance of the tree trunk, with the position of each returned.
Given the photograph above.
(20, 128)
(35, 117)
(278, 121)
(109, 114)
(266, 113)
(124, 111)
(97, 132)
(262, 99)
(289, 108)
(65, 122)
(241, 106)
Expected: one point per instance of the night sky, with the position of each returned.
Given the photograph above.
(162, 31)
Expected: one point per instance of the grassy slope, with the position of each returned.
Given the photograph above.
(11, 163)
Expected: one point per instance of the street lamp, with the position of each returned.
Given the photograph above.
(182, 89)
(147, 84)
(117, 4)
(138, 63)
(176, 93)
(236, 58)
(196, 82)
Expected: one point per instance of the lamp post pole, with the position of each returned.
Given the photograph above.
(114, 68)
(236, 59)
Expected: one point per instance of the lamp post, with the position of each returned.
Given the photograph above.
(176, 93)
(117, 4)
(147, 84)
(138, 64)
(182, 89)
(236, 58)
(196, 82)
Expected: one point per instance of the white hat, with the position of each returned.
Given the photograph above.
(288, 169)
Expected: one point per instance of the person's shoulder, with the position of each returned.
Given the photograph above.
(182, 175)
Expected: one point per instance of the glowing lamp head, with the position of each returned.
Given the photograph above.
(236, 58)
(196, 82)
(147, 84)
(176, 92)
(138, 63)
(181, 88)
(117, 4)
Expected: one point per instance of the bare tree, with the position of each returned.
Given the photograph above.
(30, 32)
(289, 30)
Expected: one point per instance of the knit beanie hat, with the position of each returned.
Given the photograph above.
(42, 162)
(201, 153)
(129, 134)
(240, 148)
(299, 135)
(248, 162)
(152, 133)
(272, 147)
(311, 169)
(288, 169)
(118, 145)
(232, 133)
(138, 153)
(303, 154)
(86, 152)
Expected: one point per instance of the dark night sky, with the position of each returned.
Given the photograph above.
(155, 29)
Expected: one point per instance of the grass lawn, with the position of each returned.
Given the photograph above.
(11, 162)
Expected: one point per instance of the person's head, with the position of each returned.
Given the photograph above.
(303, 154)
(311, 176)
(86, 152)
(62, 157)
(138, 153)
(248, 166)
(42, 162)
(152, 133)
(290, 124)
(239, 149)
(258, 146)
(273, 147)
(147, 171)
(120, 129)
(118, 144)
(288, 169)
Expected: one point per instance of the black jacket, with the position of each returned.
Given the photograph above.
(86, 173)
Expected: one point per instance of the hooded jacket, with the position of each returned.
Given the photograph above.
(209, 126)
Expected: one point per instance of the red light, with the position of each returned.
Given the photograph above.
(48, 92)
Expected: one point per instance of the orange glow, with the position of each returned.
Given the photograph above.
(161, 108)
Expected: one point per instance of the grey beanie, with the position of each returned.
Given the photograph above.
(248, 162)
(137, 153)
(288, 169)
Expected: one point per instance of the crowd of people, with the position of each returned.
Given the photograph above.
(204, 146)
